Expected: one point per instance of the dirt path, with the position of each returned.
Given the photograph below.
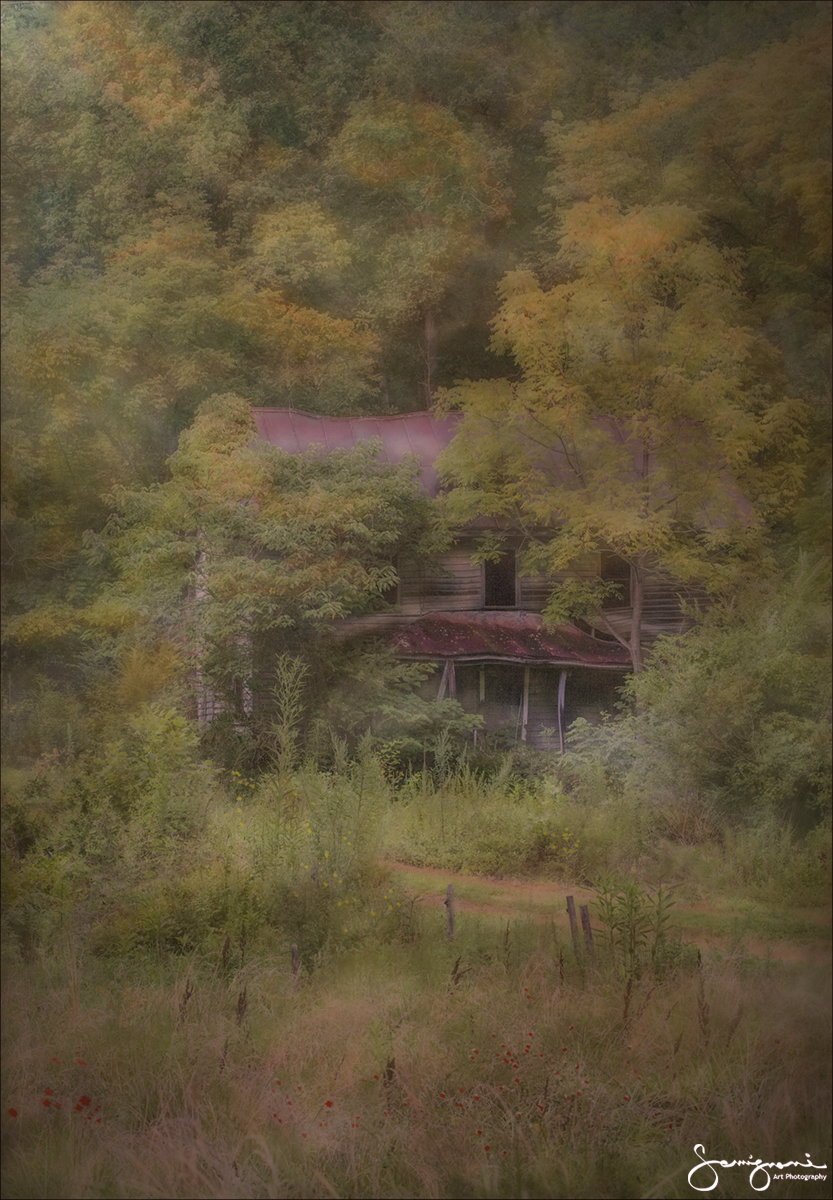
(536, 900)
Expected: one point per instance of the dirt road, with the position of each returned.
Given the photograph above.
(516, 899)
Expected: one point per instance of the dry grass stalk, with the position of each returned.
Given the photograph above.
(628, 992)
(242, 1006)
(183, 1003)
(703, 1011)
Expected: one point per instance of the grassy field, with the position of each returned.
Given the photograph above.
(156, 1042)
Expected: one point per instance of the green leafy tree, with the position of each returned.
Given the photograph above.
(431, 187)
(249, 552)
(642, 403)
(737, 714)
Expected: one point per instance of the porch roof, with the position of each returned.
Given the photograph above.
(504, 636)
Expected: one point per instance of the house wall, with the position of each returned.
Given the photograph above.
(456, 584)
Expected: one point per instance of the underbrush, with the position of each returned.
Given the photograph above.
(213, 988)
(153, 849)
(505, 827)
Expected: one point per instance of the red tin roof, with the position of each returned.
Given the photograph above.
(421, 433)
(506, 636)
(425, 435)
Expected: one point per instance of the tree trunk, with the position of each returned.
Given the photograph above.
(430, 355)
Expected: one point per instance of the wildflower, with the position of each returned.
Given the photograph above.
(12, 1112)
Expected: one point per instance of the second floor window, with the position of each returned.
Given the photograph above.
(615, 570)
(499, 582)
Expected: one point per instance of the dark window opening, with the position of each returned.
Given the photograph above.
(499, 586)
(390, 596)
(616, 570)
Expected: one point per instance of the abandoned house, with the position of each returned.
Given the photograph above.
(481, 623)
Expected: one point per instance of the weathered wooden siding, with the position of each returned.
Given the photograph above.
(535, 589)
(662, 609)
(456, 583)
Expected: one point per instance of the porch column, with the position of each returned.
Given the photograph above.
(448, 683)
(525, 714)
(562, 688)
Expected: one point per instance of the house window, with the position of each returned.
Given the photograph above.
(616, 570)
(500, 582)
(390, 596)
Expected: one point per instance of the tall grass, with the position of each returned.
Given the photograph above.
(157, 1043)
(382, 1076)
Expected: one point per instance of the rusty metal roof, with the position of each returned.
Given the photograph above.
(504, 636)
(421, 433)
(424, 434)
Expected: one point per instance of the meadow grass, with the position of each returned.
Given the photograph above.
(388, 1073)
(157, 1043)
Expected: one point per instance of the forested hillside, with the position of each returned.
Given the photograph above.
(348, 207)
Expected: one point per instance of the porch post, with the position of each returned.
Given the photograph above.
(562, 687)
(444, 680)
(525, 716)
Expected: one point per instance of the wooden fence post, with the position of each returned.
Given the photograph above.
(571, 909)
(449, 903)
(588, 932)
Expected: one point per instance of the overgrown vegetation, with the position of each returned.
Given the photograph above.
(216, 982)
(152, 1013)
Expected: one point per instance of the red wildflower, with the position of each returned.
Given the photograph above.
(12, 1112)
